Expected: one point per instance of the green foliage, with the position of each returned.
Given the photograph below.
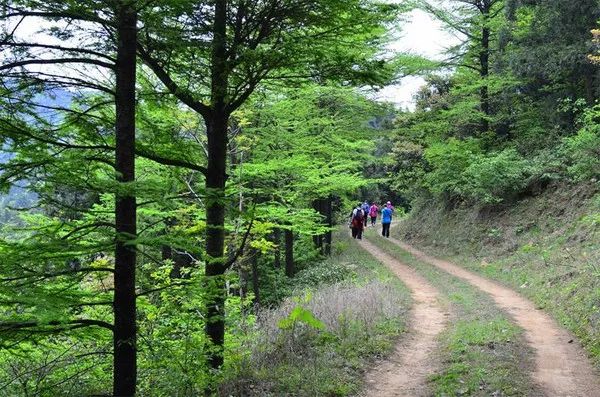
(538, 86)
(300, 314)
(449, 162)
(583, 149)
(495, 176)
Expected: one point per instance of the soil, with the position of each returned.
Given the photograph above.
(405, 372)
(561, 366)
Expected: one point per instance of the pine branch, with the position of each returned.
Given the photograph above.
(7, 326)
(45, 276)
(56, 14)
(27, 62)
(59, 48)
(170, 161)
(182, 94)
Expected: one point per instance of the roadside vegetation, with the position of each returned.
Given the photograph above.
(321, 339)
(499, 163)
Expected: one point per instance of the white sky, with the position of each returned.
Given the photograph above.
(421, 35)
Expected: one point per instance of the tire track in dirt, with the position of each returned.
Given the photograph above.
(562, 368)
(405, 372)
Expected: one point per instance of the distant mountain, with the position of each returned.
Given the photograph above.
(18, 195)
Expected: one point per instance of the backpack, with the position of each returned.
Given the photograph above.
(358, 215)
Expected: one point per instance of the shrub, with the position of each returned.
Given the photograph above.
(461, 169)
(583, 149)
(494, 177)
(448, 162)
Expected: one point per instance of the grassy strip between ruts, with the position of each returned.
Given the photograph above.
(482, 352)
(324, 350)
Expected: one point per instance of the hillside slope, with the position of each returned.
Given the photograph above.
(547, 247)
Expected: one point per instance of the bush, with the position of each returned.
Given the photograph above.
(460, 169)
(448, 162)
(583, 150)
(494, 177)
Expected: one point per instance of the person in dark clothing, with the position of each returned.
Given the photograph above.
(357, 222)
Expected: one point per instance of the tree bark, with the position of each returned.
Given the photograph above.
(484, 64)
(255, 276)
(216, 176)
(317, 205)
(124, 304)
(329, 221)
(289, 253)
(277, 251)
(215, 237)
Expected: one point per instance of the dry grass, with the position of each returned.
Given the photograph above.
(360, 322)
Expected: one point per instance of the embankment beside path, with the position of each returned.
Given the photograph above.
(546, 247)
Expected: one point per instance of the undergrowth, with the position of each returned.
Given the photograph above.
(319, 341)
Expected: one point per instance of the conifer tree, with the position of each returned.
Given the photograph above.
(216, 55)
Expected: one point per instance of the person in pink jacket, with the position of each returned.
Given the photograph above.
(390, 206)
(373, 213)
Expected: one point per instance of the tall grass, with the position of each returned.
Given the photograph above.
(356, 323)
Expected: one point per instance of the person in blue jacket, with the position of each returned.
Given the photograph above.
(386, 220)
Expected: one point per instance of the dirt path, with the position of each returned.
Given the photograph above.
(405, 372)
(562, 368)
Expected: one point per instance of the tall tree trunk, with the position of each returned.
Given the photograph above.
(215, 238)
(277, 251)
(181, 260)
(216, 131)
(588, 84)
(329, 221)
(243, 274)
(124, 337)
(484, 64)
(255, 276)
(318, 239)
(289, 253)
(166, 252)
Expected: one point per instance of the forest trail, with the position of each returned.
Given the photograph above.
(405, 372)
(561, 366)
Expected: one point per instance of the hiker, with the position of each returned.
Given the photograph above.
(365, 208)
(386, 220)
(357, 221)
(390, 206)
(373, 213)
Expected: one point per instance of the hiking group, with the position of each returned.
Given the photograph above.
(359, 218)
